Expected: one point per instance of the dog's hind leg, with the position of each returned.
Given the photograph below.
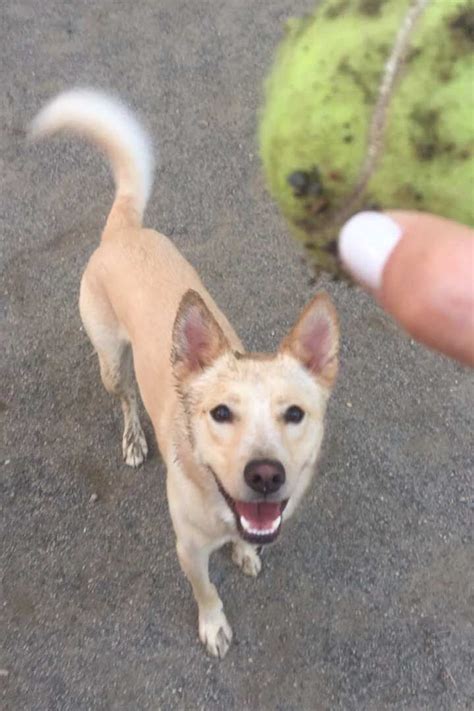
(116, 367)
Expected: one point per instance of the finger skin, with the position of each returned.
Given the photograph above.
(428, 283)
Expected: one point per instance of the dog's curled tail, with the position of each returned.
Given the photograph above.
(114, 129)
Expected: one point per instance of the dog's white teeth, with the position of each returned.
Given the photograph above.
(276, 523)
(247, 526)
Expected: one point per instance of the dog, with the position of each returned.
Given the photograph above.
(239, 432)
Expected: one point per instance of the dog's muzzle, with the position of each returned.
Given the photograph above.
(258, 522)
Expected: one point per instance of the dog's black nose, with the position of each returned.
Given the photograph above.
(264, 475)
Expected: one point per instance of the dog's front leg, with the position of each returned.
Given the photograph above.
(214, 630)
(247, 558)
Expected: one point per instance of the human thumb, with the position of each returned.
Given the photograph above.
(420, 268)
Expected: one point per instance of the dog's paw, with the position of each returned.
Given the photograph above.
(134, 446)
(246, 557)
(215, 633)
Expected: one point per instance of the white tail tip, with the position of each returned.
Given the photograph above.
(112, 127)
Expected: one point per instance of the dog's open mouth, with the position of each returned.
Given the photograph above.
(258, 521)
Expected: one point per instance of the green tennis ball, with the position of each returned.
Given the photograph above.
(370, 104)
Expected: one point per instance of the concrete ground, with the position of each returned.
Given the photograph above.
(366, 602)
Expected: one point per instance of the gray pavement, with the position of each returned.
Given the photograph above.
(366, 602)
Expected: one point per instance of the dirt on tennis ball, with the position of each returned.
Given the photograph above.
(370, 105)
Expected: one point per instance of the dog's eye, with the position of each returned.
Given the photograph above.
(221, 413)
(293, 415)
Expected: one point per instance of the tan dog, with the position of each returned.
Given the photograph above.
(239, 432)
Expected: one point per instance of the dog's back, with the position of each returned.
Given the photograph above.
(135, 280)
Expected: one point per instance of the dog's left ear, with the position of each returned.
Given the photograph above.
(197, 337)
(314, 339)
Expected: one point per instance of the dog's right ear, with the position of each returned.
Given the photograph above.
(197, 337)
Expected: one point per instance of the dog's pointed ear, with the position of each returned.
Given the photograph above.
(314, 339)
(197, 337)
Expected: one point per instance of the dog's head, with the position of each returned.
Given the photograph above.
(255, 421)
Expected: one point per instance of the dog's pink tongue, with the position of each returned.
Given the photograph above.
(261, 515)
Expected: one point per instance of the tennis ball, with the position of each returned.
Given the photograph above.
(370, 104)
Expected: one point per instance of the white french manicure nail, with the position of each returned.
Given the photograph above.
(366, 242)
